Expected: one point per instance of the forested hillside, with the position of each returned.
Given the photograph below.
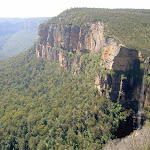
(46, 107)
(61, 100)
(17, 34)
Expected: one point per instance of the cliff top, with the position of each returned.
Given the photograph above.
(130, 27)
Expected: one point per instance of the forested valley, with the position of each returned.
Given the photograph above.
(44, 106)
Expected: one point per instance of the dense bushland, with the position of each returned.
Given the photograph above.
(46, 107)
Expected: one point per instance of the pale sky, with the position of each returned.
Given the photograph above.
(51, 8)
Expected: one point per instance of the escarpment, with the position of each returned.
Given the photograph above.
(55, 43)
(89, 38)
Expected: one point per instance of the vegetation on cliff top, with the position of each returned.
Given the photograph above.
(130, 27)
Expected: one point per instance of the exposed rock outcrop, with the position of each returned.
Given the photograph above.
(102, 83)
(77, 39)
(55, 40)
(117, 57)
(138, 140)
(91, 38)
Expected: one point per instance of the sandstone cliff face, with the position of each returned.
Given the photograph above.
(71, 38)
(117, 57)
(91, 38)
(102, 83)
(53, 40)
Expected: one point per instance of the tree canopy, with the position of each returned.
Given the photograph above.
(43, 106)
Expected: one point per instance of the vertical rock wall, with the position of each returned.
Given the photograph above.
(53, 40)
(90, 38)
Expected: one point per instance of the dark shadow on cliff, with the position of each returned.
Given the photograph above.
(128, 96)
(126, 85)
(127, 78)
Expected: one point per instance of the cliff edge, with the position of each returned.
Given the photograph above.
(66, 42)
(90, 38)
